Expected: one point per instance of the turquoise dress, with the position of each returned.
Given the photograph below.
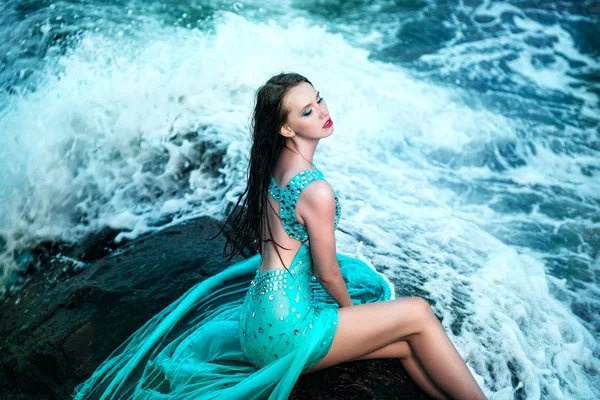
(239, 334)
(279, 314)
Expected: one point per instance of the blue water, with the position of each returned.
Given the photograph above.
(466, 152)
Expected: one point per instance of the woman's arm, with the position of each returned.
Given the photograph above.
(318, 213)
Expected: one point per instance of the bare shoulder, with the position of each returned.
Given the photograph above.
(318, 193)
(316, 203)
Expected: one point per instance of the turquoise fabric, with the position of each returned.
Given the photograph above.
(239, 334)
(278, 315)
(288, 196)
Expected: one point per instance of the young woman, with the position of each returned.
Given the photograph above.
(295, 307)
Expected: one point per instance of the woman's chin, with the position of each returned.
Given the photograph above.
(329, 131)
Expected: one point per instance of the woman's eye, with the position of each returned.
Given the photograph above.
(307, 112)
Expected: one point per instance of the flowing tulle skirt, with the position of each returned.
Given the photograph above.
(191, 349)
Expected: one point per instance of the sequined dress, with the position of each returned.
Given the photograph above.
(278, 314)
(238, 334)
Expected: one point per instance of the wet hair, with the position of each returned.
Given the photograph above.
(267, 142)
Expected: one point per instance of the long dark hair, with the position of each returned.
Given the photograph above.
(267, 142)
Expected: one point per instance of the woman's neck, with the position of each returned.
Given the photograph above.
(302, 149)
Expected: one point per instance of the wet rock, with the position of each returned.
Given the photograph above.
(54, 335)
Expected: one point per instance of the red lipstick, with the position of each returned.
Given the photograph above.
(328, 123)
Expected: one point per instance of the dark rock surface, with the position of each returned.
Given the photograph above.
(58, 328)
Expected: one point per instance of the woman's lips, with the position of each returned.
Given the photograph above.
(328, 123)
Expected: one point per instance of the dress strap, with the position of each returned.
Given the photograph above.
(288, 197)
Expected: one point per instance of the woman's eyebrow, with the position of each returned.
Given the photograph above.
(309, 104)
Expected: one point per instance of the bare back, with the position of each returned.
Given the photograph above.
(286, 211)
(270, 259)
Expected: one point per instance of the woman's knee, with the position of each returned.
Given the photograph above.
(422, 305)
(418, 310)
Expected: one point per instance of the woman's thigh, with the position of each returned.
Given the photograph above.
(400, 349)
(365, 328)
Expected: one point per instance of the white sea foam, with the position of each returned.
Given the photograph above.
(108, 140)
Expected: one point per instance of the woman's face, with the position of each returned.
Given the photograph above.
(308, 114)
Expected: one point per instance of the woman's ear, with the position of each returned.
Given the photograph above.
(287, 131)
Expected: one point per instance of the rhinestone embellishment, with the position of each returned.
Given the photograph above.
(288, 197)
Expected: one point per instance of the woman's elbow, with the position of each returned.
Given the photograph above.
(328, 275)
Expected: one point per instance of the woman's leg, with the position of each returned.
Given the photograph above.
(411, 364)
(437, 354)
(365, 328)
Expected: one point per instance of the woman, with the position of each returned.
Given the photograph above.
(295, 307)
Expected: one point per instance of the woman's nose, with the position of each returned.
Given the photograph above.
(323, 112)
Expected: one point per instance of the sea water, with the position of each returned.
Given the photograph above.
(466, 150)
